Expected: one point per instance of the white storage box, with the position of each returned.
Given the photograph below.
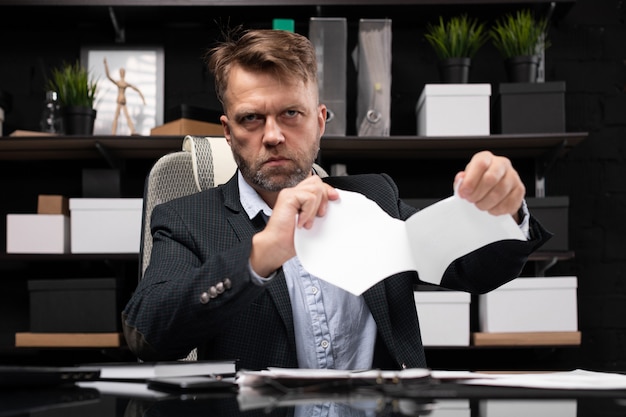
(106, 225)
(443, 317)
(528, 407)
(38, 233)
(546, 304)
(454, 110)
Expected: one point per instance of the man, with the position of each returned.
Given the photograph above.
(224, 277)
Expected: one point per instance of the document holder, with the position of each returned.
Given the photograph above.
(329, 37)
(374, 78)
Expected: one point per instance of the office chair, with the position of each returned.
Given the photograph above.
(203, 163)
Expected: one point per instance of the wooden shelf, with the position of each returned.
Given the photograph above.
(528, 339)
(69, 340)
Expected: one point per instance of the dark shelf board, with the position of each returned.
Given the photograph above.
(262, 2)
(72, 147)
(420, 147)
(332, 147)
(33, 257)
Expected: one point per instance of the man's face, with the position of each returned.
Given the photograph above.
(273, 127)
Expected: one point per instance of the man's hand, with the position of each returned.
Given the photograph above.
(492, 184)
(295, 207)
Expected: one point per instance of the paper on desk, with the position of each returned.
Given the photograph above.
(356, 244)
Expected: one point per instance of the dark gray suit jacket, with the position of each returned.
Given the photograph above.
(206, 238)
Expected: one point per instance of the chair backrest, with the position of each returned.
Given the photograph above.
(203, 162)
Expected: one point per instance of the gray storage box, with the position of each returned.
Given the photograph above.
(87, 305)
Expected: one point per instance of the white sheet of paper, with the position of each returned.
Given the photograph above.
(356, 244)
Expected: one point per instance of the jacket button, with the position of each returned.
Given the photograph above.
(212, 292)
(204, 297)
(219, 287)
(227, 283)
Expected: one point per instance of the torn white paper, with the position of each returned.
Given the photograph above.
(357, 244)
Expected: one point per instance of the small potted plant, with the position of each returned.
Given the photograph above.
(520, 38)
(455, 42)
(76, 91)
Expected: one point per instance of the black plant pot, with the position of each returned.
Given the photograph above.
(79, 120)
(455, 70)
(522, 69)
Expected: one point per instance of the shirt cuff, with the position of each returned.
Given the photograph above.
(258, 279)
(524, 215)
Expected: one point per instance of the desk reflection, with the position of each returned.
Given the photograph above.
(86, 402)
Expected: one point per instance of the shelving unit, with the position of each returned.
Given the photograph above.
(116, 151)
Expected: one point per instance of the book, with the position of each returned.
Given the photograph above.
(143, 371)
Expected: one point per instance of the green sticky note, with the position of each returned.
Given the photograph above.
(283, 24)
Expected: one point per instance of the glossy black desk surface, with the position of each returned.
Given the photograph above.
(442, 401)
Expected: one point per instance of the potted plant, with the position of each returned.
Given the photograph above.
(76, 92)
(520, 38)
(455, 42)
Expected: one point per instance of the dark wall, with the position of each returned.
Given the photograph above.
(588, 51)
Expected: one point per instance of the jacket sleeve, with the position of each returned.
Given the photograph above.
(189, 290)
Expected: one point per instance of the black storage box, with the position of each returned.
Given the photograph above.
(87, 305)
(552, 213)
(529, 108)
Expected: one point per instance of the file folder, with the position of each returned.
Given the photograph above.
(374, 78)
(329, 37)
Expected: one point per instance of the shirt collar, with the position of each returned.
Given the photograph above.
(251, 200)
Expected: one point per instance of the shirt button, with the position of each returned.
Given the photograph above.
(325, 344)
(314, 290)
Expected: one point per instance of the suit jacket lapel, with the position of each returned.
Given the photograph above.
(244, 228)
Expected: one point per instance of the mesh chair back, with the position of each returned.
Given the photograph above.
(203, 163)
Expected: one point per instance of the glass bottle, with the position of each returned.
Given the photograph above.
(51, 118)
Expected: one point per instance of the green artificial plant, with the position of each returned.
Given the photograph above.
(458, 37)
(74, 85)
(519, 34)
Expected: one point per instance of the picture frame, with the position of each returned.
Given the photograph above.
(144, 70)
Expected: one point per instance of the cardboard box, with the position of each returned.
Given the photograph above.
(552, 212)
(530, 107)
(536, 304)
(87, 305)
(105, 225)
(184, 127)
(454, 110)
(53, 204)
(38, 233)
(443, 317)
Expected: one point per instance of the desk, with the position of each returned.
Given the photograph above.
(447, 400)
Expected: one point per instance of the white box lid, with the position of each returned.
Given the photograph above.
(450, 90)
(105, 203)
(540, 283)
(442, 297)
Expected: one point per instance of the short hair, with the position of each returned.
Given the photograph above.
(286, 54)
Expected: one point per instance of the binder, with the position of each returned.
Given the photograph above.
(374, 78)
(329, 36)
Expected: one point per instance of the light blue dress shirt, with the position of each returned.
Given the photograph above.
(334, 329)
